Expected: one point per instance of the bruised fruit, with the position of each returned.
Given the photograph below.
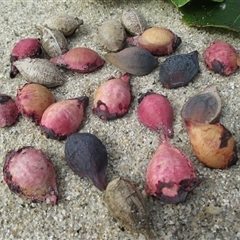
(178, 70)
(213, 144)
(79, 59)
(170, 174)
(113, 98)
(157, 40)
(86, 156)
(8, 111)
(29, 173)
(127, 205)
(33, 99)
(40, 71)
(133, 60)
(63, 118)
(28, 47)
(156, 113)
(221, 58)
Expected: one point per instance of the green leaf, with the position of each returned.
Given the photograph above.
(212, 14)
(179, 3)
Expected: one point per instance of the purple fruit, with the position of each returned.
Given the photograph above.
(86, 155)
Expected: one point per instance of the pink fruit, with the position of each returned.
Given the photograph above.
(156, 113)
(30, 174)
(8, 111)
(79, 59)
(33, 99)
(170, 174)
(221, 58)
(63, 118)
(28, 47)
(113, 98)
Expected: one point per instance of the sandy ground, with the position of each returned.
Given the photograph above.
(211, 211)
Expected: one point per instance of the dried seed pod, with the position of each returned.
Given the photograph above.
(64, 23)
(213, 144)
(8, 111)
(178, 70)
(170, 174)
(53, 42)
(29, 173)
(221, 58)
(134, 60)
(156, 113)
(204, 107)
(40, 71)
(126, 204)
(133, 21)
(79, 59)
(113, 98)
(157, 40)
(63, 118)
(28, 47)
(86, 155)
(111, 35)
(32, 100)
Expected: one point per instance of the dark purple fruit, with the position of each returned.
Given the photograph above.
(178, 70)
(87, 157)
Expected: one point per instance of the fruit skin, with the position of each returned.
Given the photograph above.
(213, 144)
(170, 174)
(63, 118)
(86, 155)
(8, 111)
(29, 173)
(156, 113)
(33, 99)
(28, 47)
(113, 98)
(220, 57)
(157, 40)
(80, 59)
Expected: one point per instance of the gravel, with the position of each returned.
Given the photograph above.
(211, 211)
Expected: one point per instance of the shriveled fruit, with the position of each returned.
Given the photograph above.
(29, 173)
(178, 70)
(63, 118)
(156, 113)
(113, 98)
(134, 60)
(86, 155)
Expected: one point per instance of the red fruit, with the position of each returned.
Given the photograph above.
(156, 113)
(170, 174)
(63, 118)
(28, 47)
(33, 99)
(113, 98)
(8, 111)
(30, 174)
(79, 59)
(221, 58)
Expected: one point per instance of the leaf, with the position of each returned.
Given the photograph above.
(179, 3)
(212, 14)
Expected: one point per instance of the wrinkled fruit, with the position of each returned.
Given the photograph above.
(133, 60)
(63, 118)
(156, 113)
(33, 99)
(28, 47)
(178, 70)
(221, 58)
(8, 111)
(29, 173)
(113, 98)
(86, 156)
(213, 144)
(79, 59)
(170, 174)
